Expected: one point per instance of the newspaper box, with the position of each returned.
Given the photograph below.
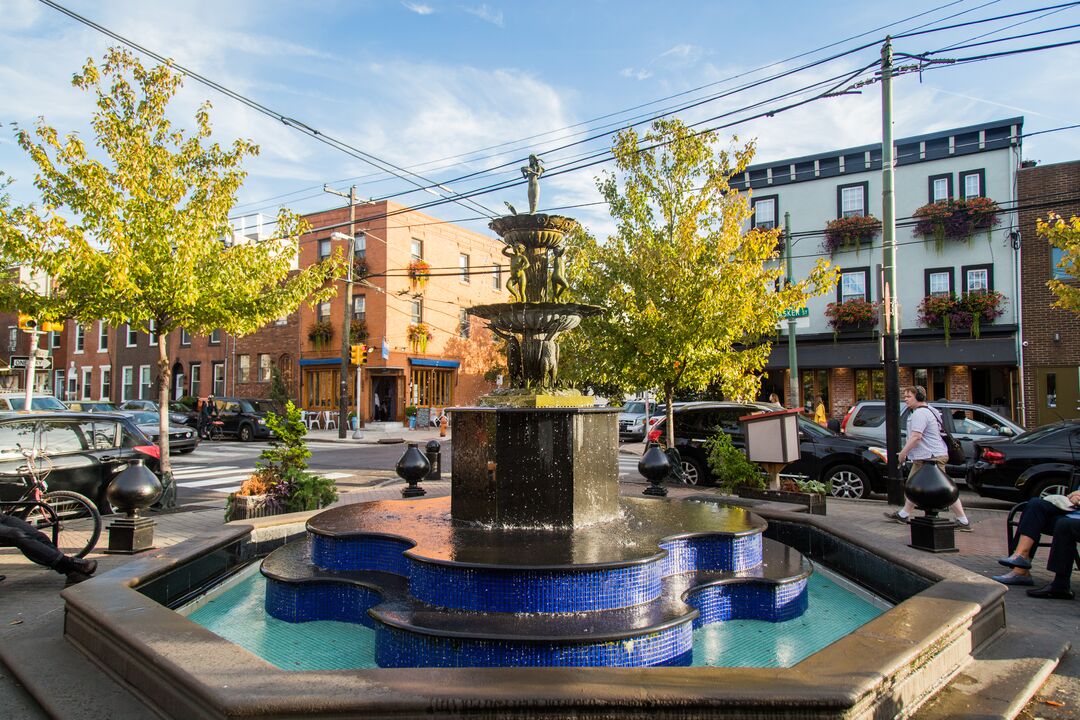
(772, 439)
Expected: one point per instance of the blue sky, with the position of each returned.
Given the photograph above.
(429, 85)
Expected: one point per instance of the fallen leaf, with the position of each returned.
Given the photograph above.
(15, 622)
(1054, 703)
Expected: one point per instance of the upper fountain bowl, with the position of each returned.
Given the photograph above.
(533, 230)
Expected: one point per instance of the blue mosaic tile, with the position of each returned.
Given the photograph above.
(712, 552)
(534, 591)
(365, 552)
(303, 602)
(749, 601)
(396, 648)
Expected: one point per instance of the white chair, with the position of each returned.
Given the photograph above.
(328, 420)
(311, 419)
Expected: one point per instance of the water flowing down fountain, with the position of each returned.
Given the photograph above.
(535, 560)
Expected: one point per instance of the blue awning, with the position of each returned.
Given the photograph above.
(428, 362)
(320, 361)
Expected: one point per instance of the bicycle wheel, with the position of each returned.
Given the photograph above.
(80, 522)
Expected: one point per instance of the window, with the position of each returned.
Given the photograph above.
(219, 378)
(151, 330)
(196, 379)
(939, 281)
(102, 336)
(106, 383)
(1051, 390)
(80, 337)
(54, 340)
(264, 367)
(13, 339)
(814, 383)
(132, 335)
(215, 337)
(58, 384)
(127, 389)
(360, 245)
(144, 382)
(59, 438)
(324, 312)
(243, 368)
(87, 382)
(185, 337)
(974, 422)
(935, 380)
(851, 199)
(765, 214)
(463, 265)
(854, 284)
(978, 278)
(324, 249)
(973, 183)
(463, 323)
(870, 385)
(940, 188)
(417, 311)
(1057, 273)
(496, 277)
(416, 249)
(359, 307)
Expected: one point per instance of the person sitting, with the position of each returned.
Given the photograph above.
(36, 546)
(1041, 517)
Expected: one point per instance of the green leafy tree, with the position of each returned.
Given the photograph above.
(136, 231)
(287, 450)
(1065, 236)
(690, 298)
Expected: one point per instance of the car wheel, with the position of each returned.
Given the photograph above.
(694, 471)
(1053, 485)
(847, 481)
(245, 434)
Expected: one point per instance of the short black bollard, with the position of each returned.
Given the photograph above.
(433, 450)
(412, 467)
(932, 490)
(135, 488)
(655, 466)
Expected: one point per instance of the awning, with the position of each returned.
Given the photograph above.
(913, 353)
(430, 362)
(320, 361)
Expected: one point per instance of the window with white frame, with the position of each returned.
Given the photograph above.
(324, 312)
(219, 379)
(215, 337)
(765, 212)
(54, 340)
(940, 188)
(416, 249)
(87, 382)
(185, 337)
(58, 384)
(264, 367)
(416, 308)
(360, 245)
(102, 336)
(496, 277)
(978, 278)
(151, 331)
(106, 382)
(939, 281)
(463, 266)
(127, 388)
(854, 285)
(359, 307)
(80, 337)
(324, 249)
(243, 368)
(972, 183)
(463, 323)
(852, 200)
(132, 335)
(196, 379)
(144, 382)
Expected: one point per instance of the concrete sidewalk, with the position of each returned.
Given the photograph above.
(379, 433)
(31, 608)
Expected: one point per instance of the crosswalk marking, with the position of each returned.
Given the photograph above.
(230, 489)
(195, 471)
(335, 475)
(214, 480)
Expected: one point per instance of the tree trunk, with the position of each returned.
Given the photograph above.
(669, 396)
(164, 381)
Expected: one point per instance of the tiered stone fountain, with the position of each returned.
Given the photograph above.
(535, 560)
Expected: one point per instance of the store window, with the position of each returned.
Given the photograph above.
(814, 383)
(869, 384)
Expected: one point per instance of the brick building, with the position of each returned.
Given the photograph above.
(1051, 336)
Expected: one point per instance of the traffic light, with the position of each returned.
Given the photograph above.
(364, 352)
(50, 326)
(355, 353)
(27, 323)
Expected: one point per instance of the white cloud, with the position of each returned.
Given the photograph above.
(635, 73)
(418, 8)
(485, 13)
(681, 55)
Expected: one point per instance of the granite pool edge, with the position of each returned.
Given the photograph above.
(186, 671)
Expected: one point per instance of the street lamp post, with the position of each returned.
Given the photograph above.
(343, 395)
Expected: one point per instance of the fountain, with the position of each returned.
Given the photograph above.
(534, 559)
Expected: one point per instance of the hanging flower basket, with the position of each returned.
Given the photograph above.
(956, 219)
(983, 306)
(321, 332)
(419, 272)
(358, 331)
(418, 337)
(969, 312)
(849, 233)
(857, 314)
(360, 268)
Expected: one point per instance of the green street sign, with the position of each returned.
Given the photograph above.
(800, 313)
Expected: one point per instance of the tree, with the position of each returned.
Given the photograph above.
(144, 236)
(689, 297)
(1065, 236)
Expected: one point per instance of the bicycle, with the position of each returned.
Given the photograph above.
(72, 518)
(213, 430)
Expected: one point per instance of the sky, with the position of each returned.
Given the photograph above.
(451, 89)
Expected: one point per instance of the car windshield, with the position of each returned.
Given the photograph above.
(38, 403)
(145, 418)
(179, 407)
(812, 428)
(634, 408)
(1038, 434)
(262, 406)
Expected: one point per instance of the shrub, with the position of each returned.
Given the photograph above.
(730, 465)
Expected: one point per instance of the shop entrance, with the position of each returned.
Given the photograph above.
(384, 400)
(1057, 393)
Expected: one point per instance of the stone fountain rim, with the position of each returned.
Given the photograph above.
(532, 221)
(555, 308)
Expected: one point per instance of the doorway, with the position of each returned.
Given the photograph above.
(1057, 393)
(383, 402)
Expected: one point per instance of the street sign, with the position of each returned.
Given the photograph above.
(800, 313)
(19, 362)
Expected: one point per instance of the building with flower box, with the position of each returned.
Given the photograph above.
(957, 259)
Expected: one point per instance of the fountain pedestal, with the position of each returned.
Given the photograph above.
(533, 467)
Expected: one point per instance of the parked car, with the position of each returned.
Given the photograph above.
(182, 439)
(17, 401)
(90, 406)
(853, 468)
(179, 413)
(1043, 461)
(632, 419)
(86, 450)
(245, 418)
(967, 422)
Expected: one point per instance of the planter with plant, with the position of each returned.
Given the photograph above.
(968, 312)
(736, 474)
(321, 332)
(418, 336)
(855, 314)
(358, 331)
(410, 416)
(983, 306)
(851, 232)
(419, 272)
(957, 219)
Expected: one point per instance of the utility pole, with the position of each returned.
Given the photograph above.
(890, 338)
(31, 367)
(793, 363)
(343, 395)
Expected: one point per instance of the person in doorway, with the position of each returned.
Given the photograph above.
(819, 412)
(378, 408)
(924, 445)
(36, 546)
(1041, 517)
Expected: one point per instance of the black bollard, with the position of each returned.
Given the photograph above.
(655, 466)
(433, 450)
(132, 490)
(411, 468)
(932, 490)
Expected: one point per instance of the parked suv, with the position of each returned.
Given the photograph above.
(245, 418)
(852, 467)
(966, 422)
(632, 419)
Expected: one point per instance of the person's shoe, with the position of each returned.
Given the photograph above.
(1013, 579)
(74, 578)
(1015, 561)
(895, 516)
(963, 526)
(82, 566)
(1049, 591)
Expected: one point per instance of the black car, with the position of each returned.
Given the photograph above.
(852, 468)
(1041, 462)
(245, 418)
(179, 413)
(85, 450)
